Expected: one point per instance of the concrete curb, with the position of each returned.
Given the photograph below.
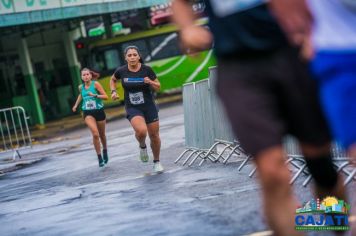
(12, 166)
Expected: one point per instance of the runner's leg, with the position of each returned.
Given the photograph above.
(139, 125)
(153, 132)
(278, 200)
(91, 123)
(101, 128)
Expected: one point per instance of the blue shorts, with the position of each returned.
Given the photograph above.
(147, 111)
(336, 73)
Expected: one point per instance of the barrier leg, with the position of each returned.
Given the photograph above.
(202, 161)
(181, 155)
(244, 163)
(195, 158)
(190, 155)
(350, 177)
(16, 153)
(222, 152)
(212, 148)
(298, 173)
(306, 182)
(252, 172)
(232, 152)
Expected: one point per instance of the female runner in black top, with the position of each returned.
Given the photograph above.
(139, 81)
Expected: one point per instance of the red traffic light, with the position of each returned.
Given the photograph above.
(79, 45)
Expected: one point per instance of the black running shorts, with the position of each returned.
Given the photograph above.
(98, 114)
(148, 111)
(269, 96)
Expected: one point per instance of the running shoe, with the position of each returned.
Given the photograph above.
(144, 155)
(101, 162)
(105, 157)
(157, 167)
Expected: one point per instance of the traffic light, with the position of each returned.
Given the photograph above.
(79, 45)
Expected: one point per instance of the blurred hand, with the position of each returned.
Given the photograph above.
(294, 18)
(195, 38)
(74, 108)
(307, 49)
(114, 96)
(147, 80)
(91, 94)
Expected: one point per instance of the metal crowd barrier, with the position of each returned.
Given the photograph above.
(207, 131)
(343, 164)
(14, 131)
(208, 135)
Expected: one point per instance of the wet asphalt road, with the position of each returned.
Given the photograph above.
(67, 194)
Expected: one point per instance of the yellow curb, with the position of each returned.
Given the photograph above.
(40, 126)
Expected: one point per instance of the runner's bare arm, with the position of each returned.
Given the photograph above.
(155, 84)
(114, 94)
(79, 99)
(102, 94)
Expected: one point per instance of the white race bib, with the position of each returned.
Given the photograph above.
(90, 105)
(136, 98)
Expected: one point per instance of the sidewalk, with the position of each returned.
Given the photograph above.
(70, 123)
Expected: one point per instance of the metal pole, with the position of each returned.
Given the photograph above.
(20, 122)
(8, 129)
(15, 129)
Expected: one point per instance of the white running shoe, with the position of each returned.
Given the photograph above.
(157, 167)
(144, 155)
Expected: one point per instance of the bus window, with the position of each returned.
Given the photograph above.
(164, 46)
(98, 63)
(112, 59)
(141, 44)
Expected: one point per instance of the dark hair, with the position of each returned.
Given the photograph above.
(137, 50)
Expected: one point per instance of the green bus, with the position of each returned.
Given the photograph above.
(159, 48)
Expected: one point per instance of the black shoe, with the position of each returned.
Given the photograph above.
(101, 162)
(105, 157)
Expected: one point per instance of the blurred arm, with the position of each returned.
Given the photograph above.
(192, 37)
(294, 18)
(183, 14)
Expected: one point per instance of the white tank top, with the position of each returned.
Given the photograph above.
(334, 25)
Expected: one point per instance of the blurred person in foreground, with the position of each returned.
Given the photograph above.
(267, 93)
(329, 38)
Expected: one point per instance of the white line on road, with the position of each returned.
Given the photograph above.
(262, 233)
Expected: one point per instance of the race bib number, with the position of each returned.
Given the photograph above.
(136, 98)
(229, 7)
(90, 105)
